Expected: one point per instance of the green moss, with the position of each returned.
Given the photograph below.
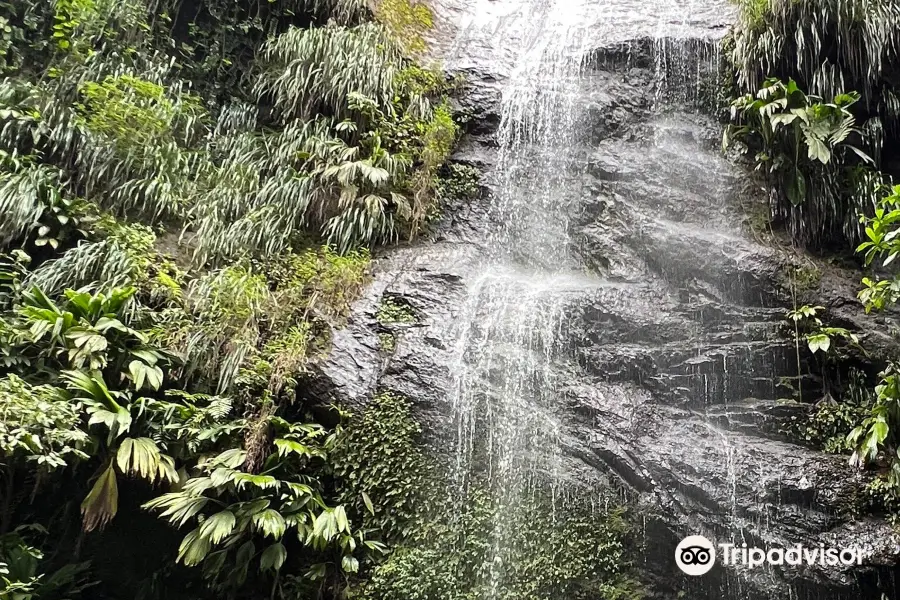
(393, 311)
(408, 21)
(387, 342)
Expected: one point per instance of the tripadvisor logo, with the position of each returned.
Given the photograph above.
(696, 555)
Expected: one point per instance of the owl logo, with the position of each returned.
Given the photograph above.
(695, 555)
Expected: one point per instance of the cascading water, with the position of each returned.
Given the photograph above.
(506, 392)
(504, 388)
(601, 321)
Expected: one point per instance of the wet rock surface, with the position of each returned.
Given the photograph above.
(674, 337)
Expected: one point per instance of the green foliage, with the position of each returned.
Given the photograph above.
(380, 457)
(803, 147)
(243, 517)
(459, 182)
(168, 174)
(804, 278)
(135, 113)
(444, 546)
(882, 244)
(882, 493)
(817, 335)
(878, 432)
(831, 419)
(408, 21)
(130, 136)
(86, 331)
(69, 15)
(826, 47)
(230, 314)
(392, 311)
(360, 60)
(20, 563)
(330, 280)
(573, 552)
(876, 437)
(38, 424)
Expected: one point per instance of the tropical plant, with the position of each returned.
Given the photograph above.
(169, 173)
(252, 512)
(877, 436)
(803, 146)
(826, 47)
(20, 563)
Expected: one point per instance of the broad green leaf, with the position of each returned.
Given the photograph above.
(194, 548)
(140, 457)
(102, 502)
(218, 527)
(350, 564)
(340, 518)
(273, 557)
(368, 502)
(178, 507)
(270, 523)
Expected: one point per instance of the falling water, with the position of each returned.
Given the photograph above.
(505, 387)
(511, 349)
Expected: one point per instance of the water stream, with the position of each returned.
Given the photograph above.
(505, 392)
(600, 325)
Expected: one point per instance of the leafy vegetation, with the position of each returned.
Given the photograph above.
(392, 311)
(571, 553)
(827, 156)
(189, 193)
(809, 151)
(443, 539)
(828, 49)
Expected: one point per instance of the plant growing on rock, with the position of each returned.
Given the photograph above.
(188, 196)
(827, 47)
(808, 150)
(876, 438)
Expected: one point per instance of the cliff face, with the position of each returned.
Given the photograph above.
(664, 373)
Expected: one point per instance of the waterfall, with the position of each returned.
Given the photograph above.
(505, 391)
(602, 336)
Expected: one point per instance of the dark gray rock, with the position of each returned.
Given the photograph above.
(673, 343)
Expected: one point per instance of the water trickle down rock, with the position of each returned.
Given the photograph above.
(603, 285)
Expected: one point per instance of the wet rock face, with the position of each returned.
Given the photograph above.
(673, 342)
